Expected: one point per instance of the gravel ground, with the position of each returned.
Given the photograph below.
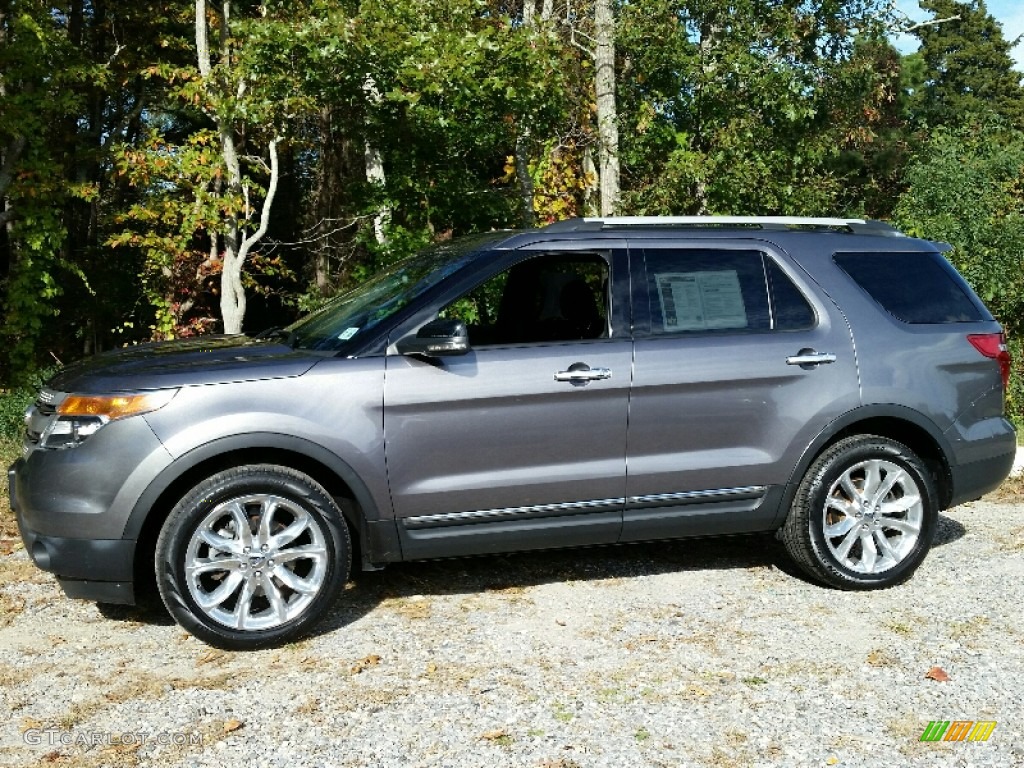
(700, 653)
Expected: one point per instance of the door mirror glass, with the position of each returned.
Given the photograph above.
(437, 338)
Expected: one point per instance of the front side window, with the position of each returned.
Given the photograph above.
(550, 298)
(363, 309)
(718, 291)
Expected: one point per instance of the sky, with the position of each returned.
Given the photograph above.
(1009, 13)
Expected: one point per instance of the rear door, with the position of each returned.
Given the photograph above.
(521, 443)
(739, 364)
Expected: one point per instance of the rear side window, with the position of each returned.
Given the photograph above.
(915, 286)
(700, 291)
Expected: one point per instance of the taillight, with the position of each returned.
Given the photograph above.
(994, 345)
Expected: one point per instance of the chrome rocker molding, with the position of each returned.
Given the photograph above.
(697, 497)
(575, 507)
(508, 513)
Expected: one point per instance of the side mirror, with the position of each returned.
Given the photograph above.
(436, 339)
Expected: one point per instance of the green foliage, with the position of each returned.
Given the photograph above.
(719, 124)
(968, 67)
(14, 402)
(42, 74)
(967, 188)
(177, 203)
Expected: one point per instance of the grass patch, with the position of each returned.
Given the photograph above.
(10, 449)
(412, 608)
(1013, 541)
(1010, 492)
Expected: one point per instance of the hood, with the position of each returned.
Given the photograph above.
(182, 363)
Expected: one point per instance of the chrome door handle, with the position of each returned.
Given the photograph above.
(810, 357)
(583, 372)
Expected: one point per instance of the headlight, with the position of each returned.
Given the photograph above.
(80, 416)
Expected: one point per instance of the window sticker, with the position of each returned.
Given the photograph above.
(348, 333)
(700, 301)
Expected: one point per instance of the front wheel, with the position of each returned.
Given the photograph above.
(252, 557)
(864, 515)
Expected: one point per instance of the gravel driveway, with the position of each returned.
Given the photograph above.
(699, 653)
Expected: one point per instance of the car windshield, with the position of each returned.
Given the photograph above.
(355, 313)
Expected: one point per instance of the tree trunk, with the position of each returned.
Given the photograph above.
(529, 9)
(375, 175)
(375, 167)
(236, 244)
(607, 114)
(527, 216)
(710, 30)
(592, 191)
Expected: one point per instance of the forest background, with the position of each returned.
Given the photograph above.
(169, 169)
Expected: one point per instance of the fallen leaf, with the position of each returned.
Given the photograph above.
(368, 661)
(232, 725)
(938, 674)
(431, 668)
(831, 760)
(879, 658)
(498, 733)
(211, 656)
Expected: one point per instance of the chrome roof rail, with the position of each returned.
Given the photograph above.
(859, 226)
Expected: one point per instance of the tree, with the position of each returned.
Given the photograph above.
(607, 113)
(45, 75)
(968, 66)
(744, 107)
(965, 188)
(241, 227)
(208, 172)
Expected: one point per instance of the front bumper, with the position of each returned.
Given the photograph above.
(90, 569)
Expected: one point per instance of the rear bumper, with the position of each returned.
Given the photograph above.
(974, 480)
(90, 569)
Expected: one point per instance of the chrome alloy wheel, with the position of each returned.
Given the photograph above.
(256, 562)
(873, 516)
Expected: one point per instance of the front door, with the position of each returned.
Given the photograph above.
(521, 443)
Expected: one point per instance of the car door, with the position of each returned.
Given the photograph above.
(739, 364)
(521, 443)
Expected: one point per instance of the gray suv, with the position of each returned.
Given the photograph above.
(593, 382)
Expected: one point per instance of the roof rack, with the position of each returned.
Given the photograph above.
(859, 226)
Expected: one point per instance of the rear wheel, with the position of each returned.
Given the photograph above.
(864, 515)
(252, 557)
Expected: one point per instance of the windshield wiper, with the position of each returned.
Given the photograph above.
(277, 332)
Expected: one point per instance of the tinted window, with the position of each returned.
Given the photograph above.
(546, 299)
(916, 287)
(706, 291)
(790, 310)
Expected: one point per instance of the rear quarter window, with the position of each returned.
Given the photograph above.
(914, 286)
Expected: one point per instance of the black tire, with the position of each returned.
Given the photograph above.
(260, 603)
(835, 547)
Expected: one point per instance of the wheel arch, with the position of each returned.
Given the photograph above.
(374, 540)
(898, 423)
